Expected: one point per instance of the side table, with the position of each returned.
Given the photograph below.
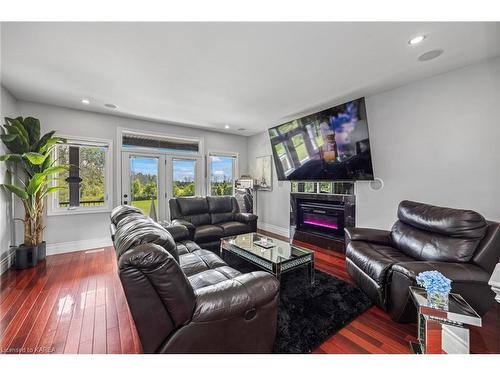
(443, 331)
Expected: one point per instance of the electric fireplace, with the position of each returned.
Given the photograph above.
(321, 217)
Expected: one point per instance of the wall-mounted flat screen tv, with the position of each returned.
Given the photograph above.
(329, 145)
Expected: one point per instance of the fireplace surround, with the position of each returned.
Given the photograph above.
(320, 219)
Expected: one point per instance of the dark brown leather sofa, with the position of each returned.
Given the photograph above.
(460, 244)
(208, 219)
(188, 300)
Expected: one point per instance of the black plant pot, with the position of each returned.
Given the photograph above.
(42, 247)
(26, 257)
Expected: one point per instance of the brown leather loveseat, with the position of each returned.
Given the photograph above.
(185, 299)
(208, 219)
(460, 244)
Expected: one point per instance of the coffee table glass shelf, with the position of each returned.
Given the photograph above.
(443, 330)
(270, 254)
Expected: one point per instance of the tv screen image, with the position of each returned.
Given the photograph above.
(329, 145)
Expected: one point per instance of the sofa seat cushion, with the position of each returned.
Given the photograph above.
(233, 228)
(192, 264)
(374, 260)
(206, 233)
(187, 246)
(199, 261)
(212, 276)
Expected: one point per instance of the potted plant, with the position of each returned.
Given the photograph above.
(33, 173)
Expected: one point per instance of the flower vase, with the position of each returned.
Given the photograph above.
(438, 300)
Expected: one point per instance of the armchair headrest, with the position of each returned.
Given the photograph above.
(450, 222)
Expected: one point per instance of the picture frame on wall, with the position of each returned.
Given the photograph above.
(264, 173)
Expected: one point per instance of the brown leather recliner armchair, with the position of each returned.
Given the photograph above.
(185, 299)
(460, 244)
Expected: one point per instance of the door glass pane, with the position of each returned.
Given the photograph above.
(183, 175)
(221, 175)
(144, 184)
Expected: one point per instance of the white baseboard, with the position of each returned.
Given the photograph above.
(273, 229)
(71, 246)
(8, 260)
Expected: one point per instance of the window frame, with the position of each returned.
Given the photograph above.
(167, 136)
(234, 155)
(53, 201)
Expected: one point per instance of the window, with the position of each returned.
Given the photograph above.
(87, 181)
(281, 151)
(183, 177)
(222, 172)
(325, 187)
(300, 148)
(288, 127)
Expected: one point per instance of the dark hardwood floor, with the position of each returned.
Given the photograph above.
(74, 303)
(71, 303)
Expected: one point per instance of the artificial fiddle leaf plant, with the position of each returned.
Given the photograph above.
(34, 170)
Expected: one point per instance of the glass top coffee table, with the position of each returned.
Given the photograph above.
(270, 254)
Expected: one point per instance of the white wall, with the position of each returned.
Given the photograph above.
(7, 109)
(92, 230)
(435, 141)
(272, 207)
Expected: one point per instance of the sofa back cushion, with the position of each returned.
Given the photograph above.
(134, 230)
(193, 209)
(427, 232)
(120, 212)
(221, 209)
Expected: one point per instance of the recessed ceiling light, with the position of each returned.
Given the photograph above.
(227, 126)
(416, 40)
(430, 55)
(109, 105)
(85, 101)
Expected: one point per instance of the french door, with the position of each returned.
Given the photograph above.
(150, 180)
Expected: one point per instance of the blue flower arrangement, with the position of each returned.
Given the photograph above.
(434, 282)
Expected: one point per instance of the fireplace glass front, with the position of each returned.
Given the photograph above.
(321, 217)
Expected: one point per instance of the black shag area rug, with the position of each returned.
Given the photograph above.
(310, 314)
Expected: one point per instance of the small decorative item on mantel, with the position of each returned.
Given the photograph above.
(437, 286)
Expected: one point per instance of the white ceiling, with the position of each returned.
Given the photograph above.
(246, 75)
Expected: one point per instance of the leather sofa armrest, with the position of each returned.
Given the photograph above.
(381, 237)
(468, 280)
(239, 296)
(456, 272)
(245, 217)
(179, 232)
(187, 224)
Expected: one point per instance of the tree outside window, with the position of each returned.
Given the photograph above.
(222, 175)
(85, 179)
